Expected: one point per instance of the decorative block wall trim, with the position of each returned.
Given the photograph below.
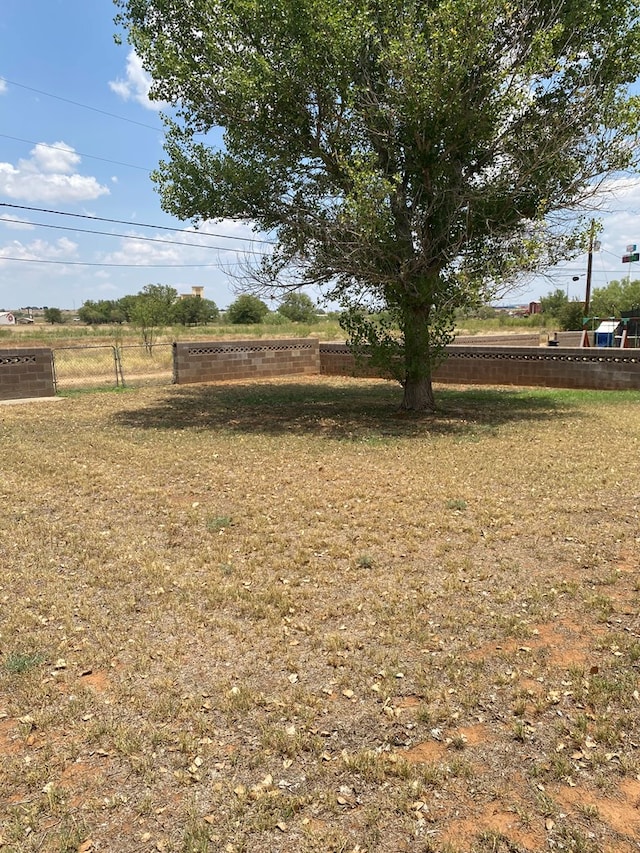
(215, 361)
(26, 372)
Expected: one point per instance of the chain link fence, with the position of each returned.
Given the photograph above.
(112, 366)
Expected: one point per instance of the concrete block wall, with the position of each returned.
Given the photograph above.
(530, 339)
(552, 367)
(570, 339)
(337, 360)
(26, 372)
(226, 360)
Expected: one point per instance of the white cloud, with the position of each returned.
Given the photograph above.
(203, 248)
(3, 86)
(62, 249)
(136, 85)
(58, 157)
(620, 215)
(143, 253)
(617, 207)
(48, 175)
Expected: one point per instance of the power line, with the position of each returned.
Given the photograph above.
(567, 270)
(97, 264)
(84, 106)
(111, 234)
(129, 222)
(73, 151)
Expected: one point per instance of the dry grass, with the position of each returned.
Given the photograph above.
(68, 334)
(280, 617)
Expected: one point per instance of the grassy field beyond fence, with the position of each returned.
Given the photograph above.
(111, 366)
(280, 616)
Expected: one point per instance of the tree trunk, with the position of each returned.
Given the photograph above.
(418, 392)
(418, 396)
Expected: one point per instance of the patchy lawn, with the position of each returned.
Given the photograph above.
(282, 617)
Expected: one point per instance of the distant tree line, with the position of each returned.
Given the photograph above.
(156, 302)
(158, 305)
(618, 297)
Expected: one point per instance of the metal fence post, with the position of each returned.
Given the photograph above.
(53, 370)
(118, 364)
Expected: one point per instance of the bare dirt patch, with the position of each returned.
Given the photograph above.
(619, 809)
(498, 826)
(564, 644)
(97, 681)
(8, 740)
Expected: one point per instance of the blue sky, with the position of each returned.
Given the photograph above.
(88, 151)
(78, 135)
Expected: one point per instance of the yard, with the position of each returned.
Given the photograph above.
(280, 616)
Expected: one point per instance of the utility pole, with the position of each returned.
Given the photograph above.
(587, 295)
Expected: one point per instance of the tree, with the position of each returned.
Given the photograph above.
(53, 315)
(194, 311)
(298, 307)
(553, 303)
(247, 309)
(616, 297)
(102, 311)
(125, 306)
(407, 156)
(571, 316)
(152, 310)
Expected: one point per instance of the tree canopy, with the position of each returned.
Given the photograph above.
(247, 309)
(53, 315)
(152, 310)
(616, 298)
(194, 311)
(553, 303)
(298, 308)
(407, 156)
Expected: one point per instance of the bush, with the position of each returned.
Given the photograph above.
(273, 318)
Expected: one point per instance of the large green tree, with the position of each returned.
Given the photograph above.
(553, 303)
(406, 155)
(247, 309)
(103, 311)
(194, 311)
(616, 297)
(298, 307)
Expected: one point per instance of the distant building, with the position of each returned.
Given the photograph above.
(519, 310)
(196, 290)
(7, 318)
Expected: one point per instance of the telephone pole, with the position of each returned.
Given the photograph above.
(587, 295)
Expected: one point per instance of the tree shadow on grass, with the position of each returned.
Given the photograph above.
(348, 410)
